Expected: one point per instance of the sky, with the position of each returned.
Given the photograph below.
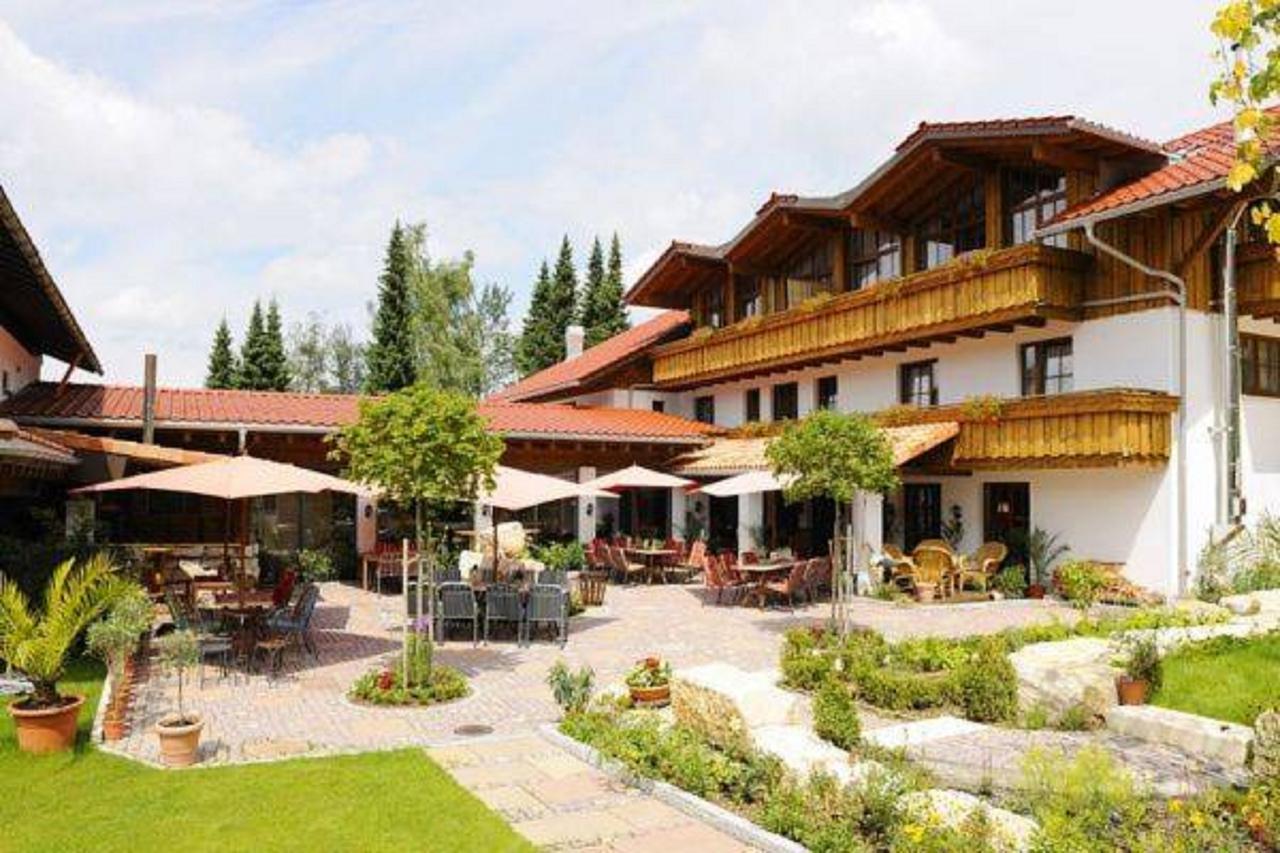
(176, 160)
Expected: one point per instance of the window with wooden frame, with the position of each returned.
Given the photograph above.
(956, 224)
(827, 390)
(917, 385)
(752, 405)
(786, 401)
(1260, 366)
(748, 300)
(704, 409)
(808, 275)
(708, 308)
(1047, 367)
(658, 406)
(873, 256)
(1032, 197)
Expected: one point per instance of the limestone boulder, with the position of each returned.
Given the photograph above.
(1262, 602)
(1264, 759)
(804, 753)
(1057, 677)
(724, 703)
(944, 807)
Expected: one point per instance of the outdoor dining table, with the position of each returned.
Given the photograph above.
(247, 610)
(760, 574)
(653, 559)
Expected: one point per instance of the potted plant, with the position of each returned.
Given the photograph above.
(926, 592)
(1043, 550)
(37, 642)
(649, 682)
(1143, 670)
(179, 732)
(115, 640)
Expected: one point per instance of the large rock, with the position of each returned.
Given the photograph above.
(1211, 740)
(804, 753)
(1262, 602)
(1265, 758)
(724, 703)
(943, 807)
(1057, 677)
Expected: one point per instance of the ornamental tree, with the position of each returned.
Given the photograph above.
(1248, 33)
(833, 455)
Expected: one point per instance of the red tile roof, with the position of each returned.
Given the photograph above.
(1197, 161)
(1027, 125)
(194, 408)
(562, 379)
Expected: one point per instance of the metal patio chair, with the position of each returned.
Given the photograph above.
(548, 605)
(457, 604)
(502, 604)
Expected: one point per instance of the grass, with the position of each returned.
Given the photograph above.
(1225, 678)
(375, 801)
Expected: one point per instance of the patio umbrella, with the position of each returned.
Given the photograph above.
(514, 489)
(232, 478)
(744, 484)
(637, 477)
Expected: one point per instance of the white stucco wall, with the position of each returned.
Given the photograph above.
(20, 366)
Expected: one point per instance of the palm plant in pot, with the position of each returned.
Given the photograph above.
(37, 641)
(649, 683)
(179, 732)
(115, 640)
(1043, 550)
(1143, 670)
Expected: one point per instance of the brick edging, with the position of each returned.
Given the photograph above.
(731, 824)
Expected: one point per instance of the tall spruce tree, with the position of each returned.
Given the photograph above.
(562, 307)
(389, 359)
(536, 347)
(603, 312)
(275, 361)
(222, 360)
(251, 374)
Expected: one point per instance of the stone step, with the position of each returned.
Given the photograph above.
(804, 753)
(903, 735)
(1209, 739)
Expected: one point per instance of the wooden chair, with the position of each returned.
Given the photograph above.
(718, 580)
(792, 585)
(982, 565)
(902, 573)
(933, 565)
(816, 571)
(623, 566)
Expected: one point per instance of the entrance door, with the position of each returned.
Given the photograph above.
(921, 513)
(1006, 517)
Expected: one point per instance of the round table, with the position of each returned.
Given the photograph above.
(761, 574)
(653, 558)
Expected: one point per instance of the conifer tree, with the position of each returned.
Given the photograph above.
(275, 361)
(536, 347)
(389, 359)
(222, 360)
(250, 375)
(603, 312)
(562, 307)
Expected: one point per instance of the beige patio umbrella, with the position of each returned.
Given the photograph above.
(514, 490)
(638, 477)
(744, 484)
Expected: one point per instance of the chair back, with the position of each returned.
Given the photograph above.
(893, 552)
(989, 556)
(283, 588)
(546, 603)
(502, 603)
(457, 601)
(932, 564)
(698, 553)
(795, 578)
(177, 611)
(940, 544)
(306, 606)
(449, 574)
(714, 577)
(553, 577)
(814, 571)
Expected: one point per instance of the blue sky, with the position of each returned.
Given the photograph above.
(175, 160)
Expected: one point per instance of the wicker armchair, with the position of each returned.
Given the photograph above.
(982, 565)
(934, 565)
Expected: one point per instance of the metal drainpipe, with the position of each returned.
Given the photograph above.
(1178, 293)
(1231, 506)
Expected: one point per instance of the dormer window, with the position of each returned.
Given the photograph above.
(1031, 199)
(873, 256)
(808, 275)
(957, 224)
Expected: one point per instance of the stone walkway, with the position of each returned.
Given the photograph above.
(559, 802)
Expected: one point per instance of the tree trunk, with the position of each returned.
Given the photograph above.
(45, 693)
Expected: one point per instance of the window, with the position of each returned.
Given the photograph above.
(873, 256)
(1047, 367)
(748, 301)
(827, 389)
(753, 405)
(957, 225)
(1031, 199)
(659, 405)
(4, 387)
(806, 276)
(786, 401)
(704, 409)
(916, 386)
(1260, 365)
(708, 308)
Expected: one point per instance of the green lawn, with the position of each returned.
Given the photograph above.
(376, 801)
(1226, 679)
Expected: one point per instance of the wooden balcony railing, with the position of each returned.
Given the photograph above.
(1258, 282)
(1084, 429)
(979, 292)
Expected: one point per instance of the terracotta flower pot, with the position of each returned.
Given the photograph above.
(42, 730)
(1131, 691)
(651, 697)
(1035, 591)
(925, 592)
(113, 728)
(179, 744)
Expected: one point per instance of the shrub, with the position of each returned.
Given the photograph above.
(387, 687)
(562, 556)
(898, 690)
(1260, 811)
(988, 685)
(571, 690)
(1081, 582)
(1083, 803)
(929, 654)
(315, 566)
(835, 716)
(1142, 660)
(1011, 581)
(805, 664)
(822, 815)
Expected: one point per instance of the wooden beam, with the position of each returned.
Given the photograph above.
(959, 159)
(810, 222)
(1212, 230)
(873, 222)
(1062, 158)
(994, 200)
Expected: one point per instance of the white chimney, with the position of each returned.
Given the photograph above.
(573, 339)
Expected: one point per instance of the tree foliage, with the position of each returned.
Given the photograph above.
(390, 363)
(536, 348)
(1249, 51)
(275, 363)
(222, 359)
(251, 373)
(603, 312)
(324, 359)
(832, 455)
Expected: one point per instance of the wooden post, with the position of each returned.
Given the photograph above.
(404, 587)
(840, 262)
(994, 209)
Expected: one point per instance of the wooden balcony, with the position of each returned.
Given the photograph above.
(982, 292)
(1086, 429)
(1258, 282)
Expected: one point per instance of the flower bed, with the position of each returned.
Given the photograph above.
(386, 687)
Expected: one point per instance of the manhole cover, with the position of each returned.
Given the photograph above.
(473, 730)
